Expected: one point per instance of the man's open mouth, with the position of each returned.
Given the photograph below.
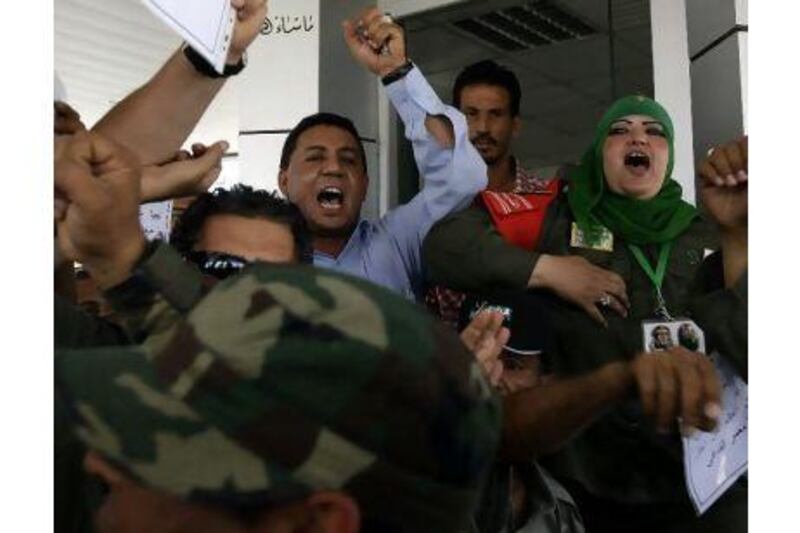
(331, 198)
(636, 160)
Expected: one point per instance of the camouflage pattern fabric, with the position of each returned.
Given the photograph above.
(285, 380)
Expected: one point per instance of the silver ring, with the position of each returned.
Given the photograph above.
(387, 18)
(605, 300)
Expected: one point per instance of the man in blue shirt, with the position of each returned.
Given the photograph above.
(323, 168)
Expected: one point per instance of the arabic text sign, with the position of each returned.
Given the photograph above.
(714, 461)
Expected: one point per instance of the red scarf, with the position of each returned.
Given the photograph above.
(519, 217)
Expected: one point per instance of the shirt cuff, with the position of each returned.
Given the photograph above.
(412, 95)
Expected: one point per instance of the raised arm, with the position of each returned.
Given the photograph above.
(98, 181)
(155, 120)
(719, 298)
(724, 193)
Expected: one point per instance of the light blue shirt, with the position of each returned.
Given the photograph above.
(387, 251)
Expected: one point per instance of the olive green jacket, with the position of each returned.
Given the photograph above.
(620, 456)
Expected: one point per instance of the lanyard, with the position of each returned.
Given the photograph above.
(657, 276)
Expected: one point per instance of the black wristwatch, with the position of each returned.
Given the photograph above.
(205, 68)
(397, 74)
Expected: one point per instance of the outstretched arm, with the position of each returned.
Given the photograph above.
(155, 120)
(670, 384)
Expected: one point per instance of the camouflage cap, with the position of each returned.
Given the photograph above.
(285, 380)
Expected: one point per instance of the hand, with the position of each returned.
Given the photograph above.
(678, 383)
(67, 121)
(485, 337)
(576, 280)
(375, 41)
(99, 181)
(185, 175)
(522, 372)
(250, 15)
(723, 187)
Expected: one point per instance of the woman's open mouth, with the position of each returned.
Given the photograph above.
(637, 162)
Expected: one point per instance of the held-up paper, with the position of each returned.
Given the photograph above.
(714, 461)
(207, 25)
(156, 220)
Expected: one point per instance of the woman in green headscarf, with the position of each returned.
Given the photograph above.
(620, 210)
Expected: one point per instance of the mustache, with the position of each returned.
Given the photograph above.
(484, 137)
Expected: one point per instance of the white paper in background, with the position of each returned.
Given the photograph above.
(207, 25)
(156, 220)
(280, 85)
(714, 461)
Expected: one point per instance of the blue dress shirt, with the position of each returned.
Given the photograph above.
(387, 251)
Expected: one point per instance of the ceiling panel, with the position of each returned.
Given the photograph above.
(105, 50)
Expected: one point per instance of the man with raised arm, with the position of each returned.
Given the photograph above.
(323, 169)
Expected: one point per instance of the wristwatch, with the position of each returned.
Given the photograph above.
(397, 74)
(205, 68)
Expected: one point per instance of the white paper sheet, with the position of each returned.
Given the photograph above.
(714, 461)
(156, 220)
(207, 25)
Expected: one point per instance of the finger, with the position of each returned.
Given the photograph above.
(495, 373)
(368, 16)
(617, 305)
(720, 162)
(594, 312)
(712, 389)
(73, 174)
(615, 286)
(198, 149)
(501, 339)
(486, 343)
(666, 396)
(237, 4)
(690, 390)
(710, 174)
(735, 157)
(644, 373)
(111, 160)
(353, 39)
(181, 155)
(472, 333)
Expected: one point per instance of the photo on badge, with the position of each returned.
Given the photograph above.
(660, 336)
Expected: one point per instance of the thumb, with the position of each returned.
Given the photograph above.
(211, 157)
(352, 39)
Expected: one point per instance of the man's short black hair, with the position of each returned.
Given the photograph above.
(320, 119)
(488, 73)
(244, 201)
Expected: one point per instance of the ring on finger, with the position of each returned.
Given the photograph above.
(605, 300)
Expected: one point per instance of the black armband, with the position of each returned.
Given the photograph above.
(397, 74)
(205, 68)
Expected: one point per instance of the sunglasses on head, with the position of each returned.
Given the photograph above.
(219, 265)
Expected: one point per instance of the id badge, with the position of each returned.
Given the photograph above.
(661, 335)
(578, 239)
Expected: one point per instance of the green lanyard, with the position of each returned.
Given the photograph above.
(657, 276)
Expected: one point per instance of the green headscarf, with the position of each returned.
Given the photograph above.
(657, 220)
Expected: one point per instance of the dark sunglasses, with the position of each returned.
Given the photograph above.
(217, 264)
